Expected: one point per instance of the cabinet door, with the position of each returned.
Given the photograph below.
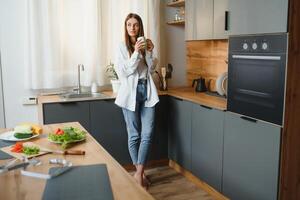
(109, 129)
(251, 159)
(159, 148)
(207, 145)
(180, 132)
(67, 112)
(199, 19)
(220, 8)
(257, 16)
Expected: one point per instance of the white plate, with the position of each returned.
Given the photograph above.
(9, 136)
(221, 84)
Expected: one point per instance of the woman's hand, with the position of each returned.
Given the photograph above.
(150, 45)
(139, 45)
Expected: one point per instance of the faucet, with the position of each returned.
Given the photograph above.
(80, 67)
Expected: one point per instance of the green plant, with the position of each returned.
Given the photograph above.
(111, 72)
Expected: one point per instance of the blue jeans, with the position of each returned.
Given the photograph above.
(140, 125)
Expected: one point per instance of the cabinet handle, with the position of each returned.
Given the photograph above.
(226, 20)
(248, 119)
(108, 100)
(207, 107)
(68, 102)
(178, 99)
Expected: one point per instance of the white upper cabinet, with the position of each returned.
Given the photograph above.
(199, 19)
(257, 16)
(205, 19)
(220, 19)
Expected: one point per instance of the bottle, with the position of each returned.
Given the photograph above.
(177, 17)
(94, 88)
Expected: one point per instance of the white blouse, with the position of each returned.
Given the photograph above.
(127, 70)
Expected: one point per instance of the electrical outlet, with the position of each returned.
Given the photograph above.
(29, 100)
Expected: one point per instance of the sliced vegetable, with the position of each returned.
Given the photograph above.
(23, 135)
(28, 150)
(31, 150)
(36, 129)
(59, 131)
(18, 148)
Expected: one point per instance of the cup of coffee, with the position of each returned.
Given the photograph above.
(143, 39)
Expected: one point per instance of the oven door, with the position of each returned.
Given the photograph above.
(256, 86)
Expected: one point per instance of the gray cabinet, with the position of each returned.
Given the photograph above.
(207, 144)
(180, 131)
(257, 16)
(251, 159)
(205, 19)
(109, 129)
(105, 122)
(67, 112)
(159, 148)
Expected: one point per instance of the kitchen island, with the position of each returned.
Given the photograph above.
(15, 186)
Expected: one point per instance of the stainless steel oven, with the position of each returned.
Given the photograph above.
(256, 76)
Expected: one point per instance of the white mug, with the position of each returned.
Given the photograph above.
(144, 41)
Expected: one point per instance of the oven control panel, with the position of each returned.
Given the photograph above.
(255, 45)
(271, 43)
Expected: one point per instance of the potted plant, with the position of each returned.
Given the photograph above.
(113, 76)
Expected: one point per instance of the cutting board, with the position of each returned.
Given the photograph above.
(21, 155)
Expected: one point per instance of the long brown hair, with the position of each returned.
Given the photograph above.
(128, 42)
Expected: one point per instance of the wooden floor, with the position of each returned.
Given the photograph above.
(167, 184)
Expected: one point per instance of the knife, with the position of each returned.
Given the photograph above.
(17, 166)
(66, 152)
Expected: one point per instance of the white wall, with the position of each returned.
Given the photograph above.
(12, 39)
(12, 46)
(175, 49)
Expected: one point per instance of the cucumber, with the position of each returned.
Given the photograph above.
(23, 135)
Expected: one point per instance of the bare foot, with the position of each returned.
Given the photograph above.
(146, 180)
(138, 178)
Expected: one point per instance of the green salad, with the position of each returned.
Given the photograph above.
(31, 150)
(67, 135)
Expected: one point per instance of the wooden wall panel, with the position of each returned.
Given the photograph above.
(206, 58)
(290, 153)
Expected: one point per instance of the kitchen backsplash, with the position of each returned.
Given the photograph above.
(207, 59)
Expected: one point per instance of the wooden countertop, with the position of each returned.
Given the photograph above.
(186, 93)
(15, 186)
(189, 94)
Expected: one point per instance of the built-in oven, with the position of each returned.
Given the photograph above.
(256, 76)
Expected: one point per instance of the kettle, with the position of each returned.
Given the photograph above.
(200, 86)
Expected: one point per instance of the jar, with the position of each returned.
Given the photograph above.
(94, 87)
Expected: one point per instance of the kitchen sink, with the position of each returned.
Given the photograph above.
(84, 95)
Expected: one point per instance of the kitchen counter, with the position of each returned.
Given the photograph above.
(189, 94)
(15, 186)
(186, 93)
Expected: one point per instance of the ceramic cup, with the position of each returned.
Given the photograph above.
(144, 40)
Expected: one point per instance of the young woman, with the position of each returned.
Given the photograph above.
(137, 94)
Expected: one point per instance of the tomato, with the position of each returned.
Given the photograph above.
(18, 147)
(59, 131)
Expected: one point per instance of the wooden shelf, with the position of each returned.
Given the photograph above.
(178, 3)
(181, 22)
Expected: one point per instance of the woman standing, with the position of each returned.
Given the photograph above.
(137, 94)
